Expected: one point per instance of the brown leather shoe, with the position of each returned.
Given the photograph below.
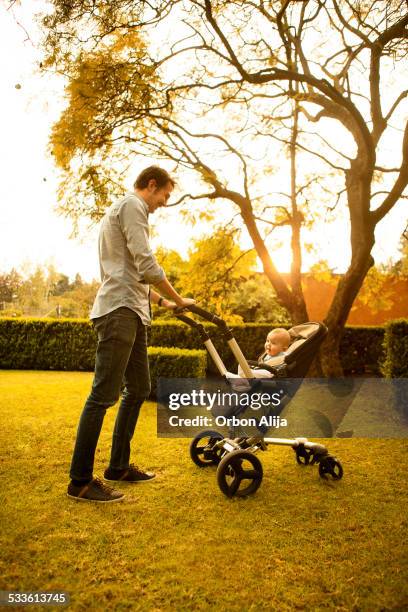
(130, 474)
(94, 491)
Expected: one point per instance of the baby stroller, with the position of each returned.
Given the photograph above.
(239, 471)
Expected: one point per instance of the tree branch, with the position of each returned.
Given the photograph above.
(402, 95)
(395, 31)
(399, 185)
(276, 74)
(201, 196)
(274, 224)
(304, 148)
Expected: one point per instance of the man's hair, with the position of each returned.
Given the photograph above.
(162, 177)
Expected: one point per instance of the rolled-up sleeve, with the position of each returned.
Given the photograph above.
(135, 228)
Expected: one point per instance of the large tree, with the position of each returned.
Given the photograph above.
(313, 76)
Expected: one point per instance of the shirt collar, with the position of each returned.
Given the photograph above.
(143, 201)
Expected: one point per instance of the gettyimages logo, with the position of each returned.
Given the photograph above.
(208, 401)
(186, 406)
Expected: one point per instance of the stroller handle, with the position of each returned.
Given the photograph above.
(226, 332)
(204, 314)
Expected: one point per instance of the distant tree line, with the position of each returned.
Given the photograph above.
(45, 292)
(217, 272)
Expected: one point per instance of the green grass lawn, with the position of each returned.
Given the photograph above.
(177, 543)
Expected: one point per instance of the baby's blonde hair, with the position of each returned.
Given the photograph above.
(284, 335)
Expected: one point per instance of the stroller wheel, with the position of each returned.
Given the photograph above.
(330, 466)
(303, 455)
(202, 450)
(239, 473)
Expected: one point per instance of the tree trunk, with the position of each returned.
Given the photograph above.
(284, 295)
(362, 241)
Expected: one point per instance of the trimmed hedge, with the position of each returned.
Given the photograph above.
(395, 364)
(176, 363)
(69, 344)
(361, 348)
(47, 344)
(395, 347)
(250, 337)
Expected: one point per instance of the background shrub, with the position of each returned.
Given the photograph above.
(361, 348)
(175, 363)
(395, 347)
(47, 344)
(69, 344)
(395, 364)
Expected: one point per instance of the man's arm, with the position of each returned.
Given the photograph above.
(134, 225)
(133, 222)
(156, 298)
(167, 289)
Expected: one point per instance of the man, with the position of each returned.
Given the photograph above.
(121, 314)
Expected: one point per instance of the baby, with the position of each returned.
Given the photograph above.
(277, 342)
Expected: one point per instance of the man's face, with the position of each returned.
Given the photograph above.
(157, 196)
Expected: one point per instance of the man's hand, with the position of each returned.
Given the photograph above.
(169, 304)
(185, 302)
(166, 288)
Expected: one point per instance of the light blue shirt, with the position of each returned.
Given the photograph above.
(126, 261)
(267, 357)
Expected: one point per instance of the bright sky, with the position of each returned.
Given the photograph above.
(31, 232)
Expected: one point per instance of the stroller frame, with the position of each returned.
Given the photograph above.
(236, 456)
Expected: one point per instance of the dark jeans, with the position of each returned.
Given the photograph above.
(121, 357)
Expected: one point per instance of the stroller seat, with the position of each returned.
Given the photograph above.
(305, 341)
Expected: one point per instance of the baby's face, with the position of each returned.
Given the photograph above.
(274, 344)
